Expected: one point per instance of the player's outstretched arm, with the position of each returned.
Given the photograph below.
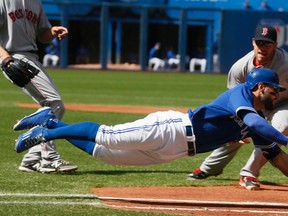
(261, 127)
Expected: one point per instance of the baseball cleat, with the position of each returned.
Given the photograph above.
(59, 166)
(29, 139)
(40, 117)
(199, 174)
(250, 183)
(29, 167)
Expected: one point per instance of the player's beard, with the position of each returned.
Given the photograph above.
(268, 103)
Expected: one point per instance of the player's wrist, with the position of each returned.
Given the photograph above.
(7, 61)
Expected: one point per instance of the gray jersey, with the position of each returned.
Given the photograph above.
(20, 23)
(239, 70)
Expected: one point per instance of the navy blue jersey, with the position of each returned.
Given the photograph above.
(218, 123)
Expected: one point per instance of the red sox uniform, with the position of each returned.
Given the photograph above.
(21, 22)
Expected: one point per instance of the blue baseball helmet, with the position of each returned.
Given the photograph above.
(264, 75)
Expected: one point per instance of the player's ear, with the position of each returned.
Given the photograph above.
(257, 87)
(261, 86)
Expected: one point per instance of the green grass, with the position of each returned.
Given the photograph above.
(123, 88)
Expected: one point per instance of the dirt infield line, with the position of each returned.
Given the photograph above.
(205, 207)
(208, 200)
(198, 202)
(202, 211)
(110, 108)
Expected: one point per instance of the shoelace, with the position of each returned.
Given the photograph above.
(34, 141)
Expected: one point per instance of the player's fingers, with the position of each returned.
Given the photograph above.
(59, 31)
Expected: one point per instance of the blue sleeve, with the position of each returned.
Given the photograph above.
(151, 53)
(48, 49)
(260, 126)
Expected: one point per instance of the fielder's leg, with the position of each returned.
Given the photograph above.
(251, 171)
(215, 163)
(43, 91)
(256, 161)
(254, 164)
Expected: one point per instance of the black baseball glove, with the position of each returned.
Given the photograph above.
(19, 72)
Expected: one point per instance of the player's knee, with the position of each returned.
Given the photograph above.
(280, 121)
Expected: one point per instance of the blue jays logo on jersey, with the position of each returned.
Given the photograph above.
(24, 14)
(245, 130)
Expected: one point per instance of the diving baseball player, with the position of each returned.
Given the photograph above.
(166, 136)
(265, 54)
(21, 23)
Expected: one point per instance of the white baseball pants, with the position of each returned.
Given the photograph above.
(158, 138)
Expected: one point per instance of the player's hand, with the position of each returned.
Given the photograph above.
(245, 141)
(59, 31)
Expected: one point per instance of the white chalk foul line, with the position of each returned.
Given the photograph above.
(52, 203)
(199, 202)
(85, 196)
(49, 195)
(159, 201)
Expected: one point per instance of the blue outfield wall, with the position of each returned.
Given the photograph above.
(237, 30)
(229, 4)
(216, 4)
(234, 27)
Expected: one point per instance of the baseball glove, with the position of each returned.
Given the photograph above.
(19, 72)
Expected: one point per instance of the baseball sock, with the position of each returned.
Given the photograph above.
(87, 146)
(81, 135)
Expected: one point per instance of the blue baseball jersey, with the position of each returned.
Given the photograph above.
(218, 123)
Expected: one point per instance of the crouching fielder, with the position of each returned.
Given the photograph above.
(166, 136)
